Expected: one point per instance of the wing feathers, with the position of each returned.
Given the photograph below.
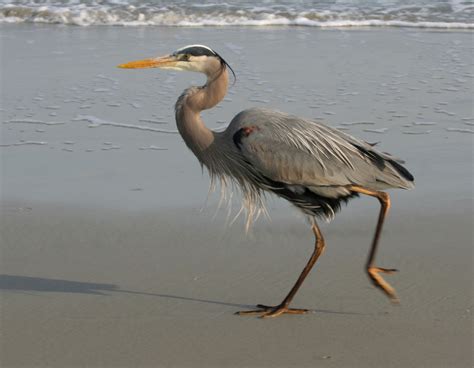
(296, 151)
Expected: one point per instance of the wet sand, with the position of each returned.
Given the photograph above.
(108, 260)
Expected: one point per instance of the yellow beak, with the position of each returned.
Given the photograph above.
(165, 61)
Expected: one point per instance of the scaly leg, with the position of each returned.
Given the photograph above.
(274, 311)
(374, 272)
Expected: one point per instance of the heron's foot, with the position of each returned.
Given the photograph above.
(378, 281)
(265, 311)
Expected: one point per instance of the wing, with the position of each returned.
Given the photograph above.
(300, 152)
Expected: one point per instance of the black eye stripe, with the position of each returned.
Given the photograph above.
(196, 51)
(201, 51)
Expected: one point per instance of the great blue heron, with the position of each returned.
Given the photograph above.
(313, 166)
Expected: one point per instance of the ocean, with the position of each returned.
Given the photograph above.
(445, 14)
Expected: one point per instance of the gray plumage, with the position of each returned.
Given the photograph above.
(307, 163)
(312, 165)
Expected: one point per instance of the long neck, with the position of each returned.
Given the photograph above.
(188, 107)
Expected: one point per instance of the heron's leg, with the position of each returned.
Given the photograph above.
(274, 311)
(374, 272)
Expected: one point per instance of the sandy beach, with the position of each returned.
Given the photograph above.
(111, 256)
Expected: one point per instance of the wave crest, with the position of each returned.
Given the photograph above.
(225, 15)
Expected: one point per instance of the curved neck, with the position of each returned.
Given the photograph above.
(188, 107)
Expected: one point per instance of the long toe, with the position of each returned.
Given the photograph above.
(386, 270)
(378, 281)
(265, 311)
(279, 311)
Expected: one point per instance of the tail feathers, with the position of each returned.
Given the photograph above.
(402, 171)
(404, 178)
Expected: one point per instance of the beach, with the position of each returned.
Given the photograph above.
(114, 255)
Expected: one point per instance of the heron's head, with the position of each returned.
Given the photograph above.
(194, 58)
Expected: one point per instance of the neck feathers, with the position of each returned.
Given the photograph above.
(189, 105)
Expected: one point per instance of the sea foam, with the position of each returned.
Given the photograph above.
(445, 14)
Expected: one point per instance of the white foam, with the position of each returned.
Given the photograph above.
(322, 15)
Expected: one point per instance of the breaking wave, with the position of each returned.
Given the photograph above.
(185, 13)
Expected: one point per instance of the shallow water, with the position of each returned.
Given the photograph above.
(409, 90)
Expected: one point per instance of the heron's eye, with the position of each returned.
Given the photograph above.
(184, 57)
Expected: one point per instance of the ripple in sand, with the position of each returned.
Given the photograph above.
(24, 143)
(152, 147)
(259, 100)
(348, 93)
(32, 121)
(460, 130)
(439, 111)
(358, 123)
(424, 123)
(416, 132)
(153, 121)
(101, 76)
(450, 89)
(101, 90)
(97, 122)
(378, 131)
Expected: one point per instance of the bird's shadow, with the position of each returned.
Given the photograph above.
(39, 284)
